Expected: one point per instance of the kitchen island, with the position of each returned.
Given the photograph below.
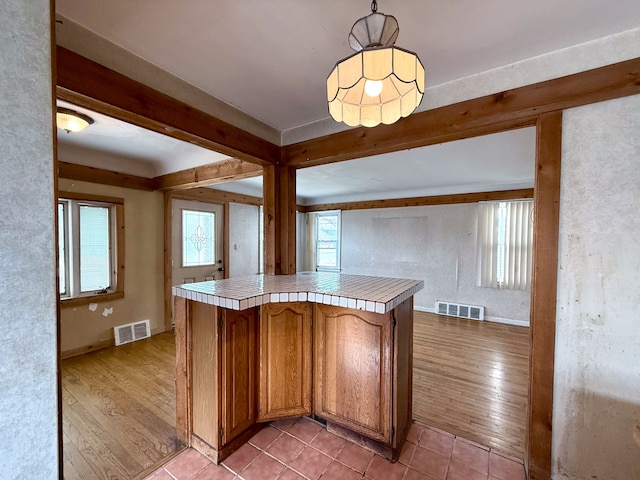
(332, 346)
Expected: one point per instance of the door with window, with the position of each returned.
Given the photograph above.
(197, 241)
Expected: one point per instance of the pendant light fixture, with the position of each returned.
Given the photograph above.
(380, 83)
(71, 121)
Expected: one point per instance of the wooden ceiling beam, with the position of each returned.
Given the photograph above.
(498, 195)
(511, 109)
(220, 172)
(211, 195)
(88, 84)
(83, 173)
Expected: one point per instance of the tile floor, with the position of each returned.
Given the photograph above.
(301, 449)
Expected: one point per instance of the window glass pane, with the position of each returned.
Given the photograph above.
(327, 257)
(327, 241)
(198, 238)
(62, 254)
(95, 258)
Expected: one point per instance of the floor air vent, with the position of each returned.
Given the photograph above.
(472, 312)
(132, 332)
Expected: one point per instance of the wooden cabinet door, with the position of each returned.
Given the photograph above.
(353, 369)
(239, 371)
(285, 360)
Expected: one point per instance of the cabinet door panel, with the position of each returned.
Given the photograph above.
(285, 360)
(239, 356)
(353, 369)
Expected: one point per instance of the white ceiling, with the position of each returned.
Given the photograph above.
(135, 150)
(270, 61)
(501, 161)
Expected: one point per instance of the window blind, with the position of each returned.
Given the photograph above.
(505, 244)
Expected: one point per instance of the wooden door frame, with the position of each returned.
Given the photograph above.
(88, 84)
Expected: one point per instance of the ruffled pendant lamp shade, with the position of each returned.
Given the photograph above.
(380, 83)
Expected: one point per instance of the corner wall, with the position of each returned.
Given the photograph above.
(436, 244)
(144, 271)
(597, 359)
(28, 370)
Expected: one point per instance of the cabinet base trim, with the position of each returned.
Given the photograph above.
(217, 456)
(386, 451)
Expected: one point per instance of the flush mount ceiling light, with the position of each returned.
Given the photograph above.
(380, 83)
(71, 121)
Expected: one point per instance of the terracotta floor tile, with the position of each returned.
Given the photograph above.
(159, 475)
(436, 441)
(265, 437)
(355, 457)
(328, 443)
(289, 474)
(504, 468)
(187, 464)
(274, 455)
(338, 471)
(215, 472)
(407, 453)
(414, 433)
(263, 467)
(311, 463)
(462, 471)
(475, 457)
(305, 429)
(382, 469)
(413, 474)
(241, 458)
(430, 462)
(285, 448)
(284, 424)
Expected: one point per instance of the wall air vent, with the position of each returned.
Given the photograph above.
(472, 312)
(131, 332)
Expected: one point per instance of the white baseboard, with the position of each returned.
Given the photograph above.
(424, 309)
(507, 321)
(487, 318)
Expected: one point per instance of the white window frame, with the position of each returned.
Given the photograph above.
(314, 240)
(505, 244)
(70, 266)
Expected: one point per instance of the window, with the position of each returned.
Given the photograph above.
(327, 240)
(198, 238)
(90, 248)
(261, 240)
(505, 244)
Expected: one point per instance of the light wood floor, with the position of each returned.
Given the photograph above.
(119, 410)
(471, 379)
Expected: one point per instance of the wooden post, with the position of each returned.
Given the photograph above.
(543, 294)
(183, 356)
(279, 220)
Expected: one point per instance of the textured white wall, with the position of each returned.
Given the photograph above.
(244, 236)
(28, 401)
(426, 243)
(597, 366)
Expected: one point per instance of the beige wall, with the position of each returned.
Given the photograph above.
(144, 247)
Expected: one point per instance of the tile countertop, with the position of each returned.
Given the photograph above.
(372, 294)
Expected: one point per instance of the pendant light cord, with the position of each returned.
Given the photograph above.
(374, 6)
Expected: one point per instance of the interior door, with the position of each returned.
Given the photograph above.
(197, 241)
